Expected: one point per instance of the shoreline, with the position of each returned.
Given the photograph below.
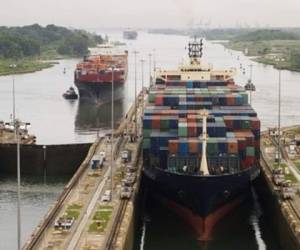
(28, 66)
(278, 60)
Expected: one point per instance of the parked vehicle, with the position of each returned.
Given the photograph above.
(126, 156)
(126, 192)
(106, 196)
(287, 191)
(129, 180)
(102, 155)
(131, 168)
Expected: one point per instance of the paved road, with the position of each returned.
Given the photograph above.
(76, 236)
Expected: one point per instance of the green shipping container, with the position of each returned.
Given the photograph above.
(212, 148)
(246, 124)
(250, 151)
(146, 143)
(151, 98)
(147, 132)
(164, 124)
(182, 130)
(245, 97)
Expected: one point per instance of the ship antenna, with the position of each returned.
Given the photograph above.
(203, 166)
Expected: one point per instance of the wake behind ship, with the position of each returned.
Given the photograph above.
(201, 142)
(93, 76)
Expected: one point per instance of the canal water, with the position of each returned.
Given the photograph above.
(55, 121)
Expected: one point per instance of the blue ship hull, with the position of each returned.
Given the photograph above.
(201, 200)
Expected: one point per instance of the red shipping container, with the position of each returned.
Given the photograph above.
(159, 100)
(232, 147)
(255, 123)
(228, 121)
(230, 100)
(193, 146)
(191, 118)
(192, 129)
(248, 135)
(173, 146)
(242, 143)
(155, 124)
(249, 161)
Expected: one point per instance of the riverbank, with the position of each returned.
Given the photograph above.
(282, 54)
(23, 66)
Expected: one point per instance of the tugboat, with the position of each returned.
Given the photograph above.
(70, 94)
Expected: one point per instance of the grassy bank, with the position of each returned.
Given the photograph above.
(23, 66)
(279, 53)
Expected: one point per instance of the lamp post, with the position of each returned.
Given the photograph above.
(150, 69)
(279, 115)
(13, 66)
(251, 66)
(154, 63)
(135, 102)
(112, 130)
(17, 124)
(142, 65)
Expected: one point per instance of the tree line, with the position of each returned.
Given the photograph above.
(32, 40)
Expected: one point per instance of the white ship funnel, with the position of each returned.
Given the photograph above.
(203, 165)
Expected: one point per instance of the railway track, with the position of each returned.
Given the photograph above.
(112, 237)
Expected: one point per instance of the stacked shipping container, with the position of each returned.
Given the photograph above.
(172, 126)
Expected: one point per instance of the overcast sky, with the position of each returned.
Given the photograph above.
(151, 13)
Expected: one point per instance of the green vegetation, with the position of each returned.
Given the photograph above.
(23, 66)
(282, 165)
(278, 47)
(75, 206)
(73, 214)
(274, 47)
(100, 219)
(291, 178)
(73, 211)
(266, 35)
(297, 164)
(27, 46)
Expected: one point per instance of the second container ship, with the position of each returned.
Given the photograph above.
(94, 75)
(201, 142)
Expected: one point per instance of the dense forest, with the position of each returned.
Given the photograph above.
(34, 40)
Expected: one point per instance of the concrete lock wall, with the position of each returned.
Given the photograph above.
(43, 159)
(276, 218)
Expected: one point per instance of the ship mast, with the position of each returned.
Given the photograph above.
(203, 166)
(195, 50)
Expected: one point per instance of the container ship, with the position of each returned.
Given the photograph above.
(201, 142)
(130, 34)
(93, 76)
